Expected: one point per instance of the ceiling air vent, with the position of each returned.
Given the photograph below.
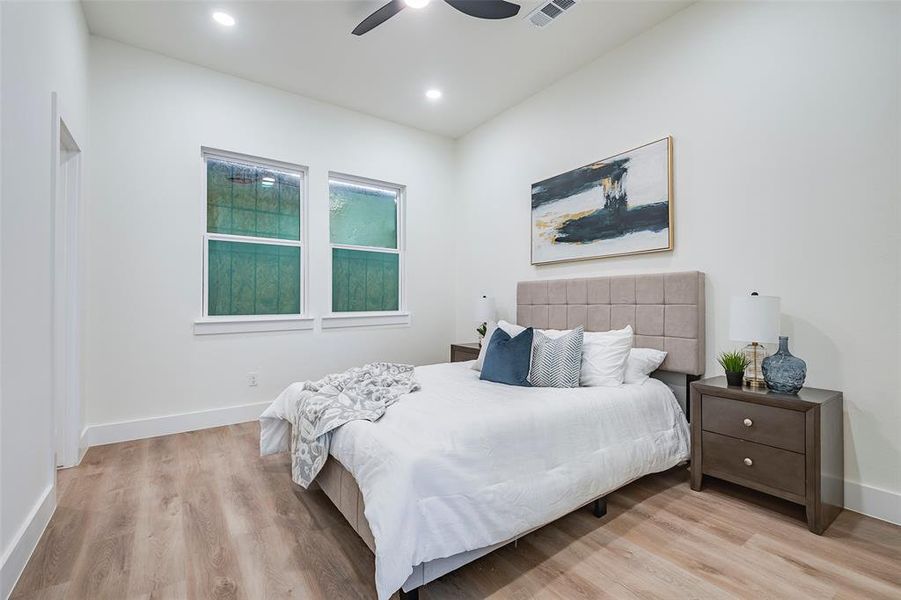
(549, 11)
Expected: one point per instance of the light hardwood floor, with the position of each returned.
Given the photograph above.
(201, 515)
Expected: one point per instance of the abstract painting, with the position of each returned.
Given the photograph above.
(616, 206)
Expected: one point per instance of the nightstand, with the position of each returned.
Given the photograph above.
(462, 352)
(790, 446)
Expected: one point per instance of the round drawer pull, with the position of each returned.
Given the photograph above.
(748, 462)
(748, 422)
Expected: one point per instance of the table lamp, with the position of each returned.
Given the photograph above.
(754, 319)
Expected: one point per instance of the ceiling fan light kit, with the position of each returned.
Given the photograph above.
(481, 9)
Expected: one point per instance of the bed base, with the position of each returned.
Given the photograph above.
(411, 595)
(598, 508)
(341, 488)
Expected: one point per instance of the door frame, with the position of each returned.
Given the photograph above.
(66, 189)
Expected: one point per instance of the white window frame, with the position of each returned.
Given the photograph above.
(216, 324)
(401, 316)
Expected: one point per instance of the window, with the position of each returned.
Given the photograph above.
(253, 242)
(365, 231)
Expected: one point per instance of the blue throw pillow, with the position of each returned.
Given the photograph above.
(507, 359)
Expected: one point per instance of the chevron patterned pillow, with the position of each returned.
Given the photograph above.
(556, 361)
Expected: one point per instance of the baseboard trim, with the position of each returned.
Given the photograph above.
(873, 502)
(16, 556)
(124, 431)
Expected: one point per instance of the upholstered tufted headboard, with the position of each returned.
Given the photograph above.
(665, 310)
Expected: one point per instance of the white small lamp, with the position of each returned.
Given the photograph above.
(754, 319)
(485, 313)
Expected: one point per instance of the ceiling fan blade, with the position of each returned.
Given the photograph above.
(486, 9)
(379, 17)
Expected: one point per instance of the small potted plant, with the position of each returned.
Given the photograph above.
(734, 364)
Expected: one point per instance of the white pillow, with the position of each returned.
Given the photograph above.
(509, 328)
(641, 363)
(604, 357)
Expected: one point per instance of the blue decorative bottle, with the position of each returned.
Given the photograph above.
(783, 372)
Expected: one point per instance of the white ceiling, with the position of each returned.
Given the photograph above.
(305, 47)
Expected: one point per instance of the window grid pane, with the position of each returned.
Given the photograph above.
(252, 200)
(361, 215)
(253, 279)
(364, 281)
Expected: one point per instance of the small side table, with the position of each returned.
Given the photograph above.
(462, 352)
(790, 446)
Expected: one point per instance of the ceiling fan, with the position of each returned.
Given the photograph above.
(481, 9)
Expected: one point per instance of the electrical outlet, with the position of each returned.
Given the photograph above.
(252, 379)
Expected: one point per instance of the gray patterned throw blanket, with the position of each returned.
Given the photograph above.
(316, 408)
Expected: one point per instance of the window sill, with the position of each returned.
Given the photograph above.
(342, 320)
(219, 325)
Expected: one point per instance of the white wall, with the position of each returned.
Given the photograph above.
(150, 117)
(785, 120)
(44, 49)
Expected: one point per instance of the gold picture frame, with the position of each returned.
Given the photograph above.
(580, 213)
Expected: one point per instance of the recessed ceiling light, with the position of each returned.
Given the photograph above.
(433, 94)
(224, 19)
(416, 3)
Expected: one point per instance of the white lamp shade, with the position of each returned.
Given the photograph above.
(485, 310)
(754, 319)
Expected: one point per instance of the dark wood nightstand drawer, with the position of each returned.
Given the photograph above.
(778, 427)
(728, 458)
(464, 352)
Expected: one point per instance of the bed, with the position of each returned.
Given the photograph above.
(464, 466)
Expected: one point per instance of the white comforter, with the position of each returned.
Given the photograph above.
(464, 464)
